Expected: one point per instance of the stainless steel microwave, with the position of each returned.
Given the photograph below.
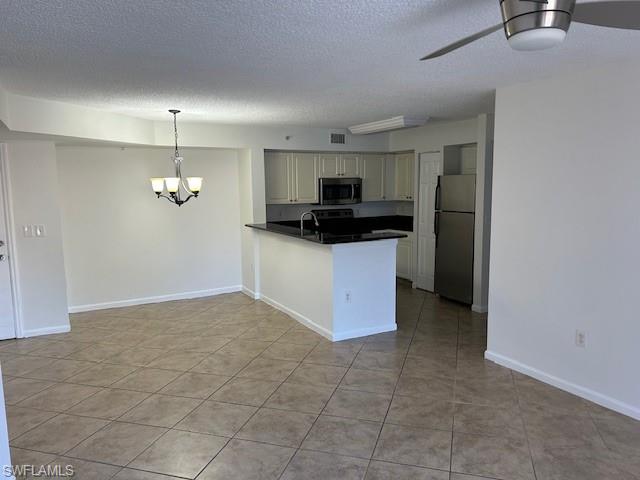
(340, 191)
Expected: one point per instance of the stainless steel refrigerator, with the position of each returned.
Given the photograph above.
(454, 226)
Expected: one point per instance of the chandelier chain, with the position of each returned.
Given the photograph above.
(175, 131)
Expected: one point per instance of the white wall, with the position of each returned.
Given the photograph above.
(433, 136)
(45, 117)
(565, 233)
(39, 260)
(122, 244)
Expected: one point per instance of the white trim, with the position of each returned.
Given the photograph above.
(299, 317)
(250, 293)
(479, 308)
(334, 337)
(5, 191)
(46, 331)
(565, 385)
(363, 332)
(155, 299)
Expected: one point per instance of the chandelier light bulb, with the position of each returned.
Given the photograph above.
(195, 184)
(157, 184)
(173, 184)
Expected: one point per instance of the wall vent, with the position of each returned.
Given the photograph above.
(338, 138)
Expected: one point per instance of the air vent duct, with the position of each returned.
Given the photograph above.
(338, 138)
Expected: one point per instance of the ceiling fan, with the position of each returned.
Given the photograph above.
(540, 24)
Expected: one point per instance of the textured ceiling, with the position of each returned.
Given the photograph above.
(327, 63)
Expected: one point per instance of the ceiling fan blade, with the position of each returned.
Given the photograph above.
(463, 42)
(619, 14)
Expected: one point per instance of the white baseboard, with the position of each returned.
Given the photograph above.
(34, 332)
(156, 299)
(479, 308)
(250, 293)
(586, 393)
(334, 337)
(299, 317)
(363, 332)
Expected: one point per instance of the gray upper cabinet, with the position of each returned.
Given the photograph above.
(305, 177)
(291, 177)
(277, 170)
(373, 177)
(404, 176)
(350, 165)
(340, 165)
(330, 165)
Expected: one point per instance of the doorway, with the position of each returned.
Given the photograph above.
(430, 167)
(7, 302)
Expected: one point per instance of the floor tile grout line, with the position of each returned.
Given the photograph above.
(234, 437)
(113, 421)
(455, 381)
(394, 390)
(317, 416)
(526, 431)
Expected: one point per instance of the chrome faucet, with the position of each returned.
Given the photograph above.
(315, 221)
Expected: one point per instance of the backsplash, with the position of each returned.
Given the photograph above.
(368, 209)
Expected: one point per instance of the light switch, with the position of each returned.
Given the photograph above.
(39, 231)
(27, 230)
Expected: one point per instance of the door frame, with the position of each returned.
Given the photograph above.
(5, 191)
(417, 212)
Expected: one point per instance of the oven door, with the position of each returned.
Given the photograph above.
(340, 191)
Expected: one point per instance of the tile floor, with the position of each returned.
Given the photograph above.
(227, 388)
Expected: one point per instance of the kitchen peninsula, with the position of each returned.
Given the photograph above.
(340, 284)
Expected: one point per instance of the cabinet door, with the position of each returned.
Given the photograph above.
(330, 165)
(404, 176)
(390, 177)
(403, 259)
(373, 173)
(305, 177)
(350, 166)
(277, 177)
(401, 178)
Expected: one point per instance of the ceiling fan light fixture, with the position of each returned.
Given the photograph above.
(537, 39)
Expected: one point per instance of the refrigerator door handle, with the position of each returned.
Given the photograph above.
(437, 207)
(436, 225)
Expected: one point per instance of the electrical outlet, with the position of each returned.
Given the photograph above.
(581, 339)
(347, 296)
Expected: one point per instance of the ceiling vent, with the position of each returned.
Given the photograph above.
(338, 138)
(394, 123)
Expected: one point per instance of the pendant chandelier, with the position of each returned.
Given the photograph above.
(176, 185)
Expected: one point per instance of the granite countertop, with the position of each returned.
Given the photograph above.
(326, 238)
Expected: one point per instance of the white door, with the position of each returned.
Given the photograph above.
(305, 177)
(330, 165)
(7, 314)
(277, 171)
(350, 165)
(430, 168)
(373, 167)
